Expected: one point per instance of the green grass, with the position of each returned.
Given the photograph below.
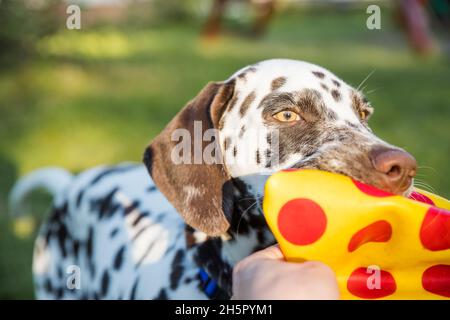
(99, 96)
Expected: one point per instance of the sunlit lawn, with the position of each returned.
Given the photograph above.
(98, 96)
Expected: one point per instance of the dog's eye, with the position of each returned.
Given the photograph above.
(363, 114)
(287, 116)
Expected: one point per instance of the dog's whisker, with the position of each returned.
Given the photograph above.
(423, 185)
(426, 167)
(240, 219)
(373, 90)
(256, 198)
(365, 79)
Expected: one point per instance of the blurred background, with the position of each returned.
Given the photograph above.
(79, 98)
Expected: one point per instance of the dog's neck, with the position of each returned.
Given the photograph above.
(248, 233)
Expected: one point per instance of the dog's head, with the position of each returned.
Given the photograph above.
(273, 115)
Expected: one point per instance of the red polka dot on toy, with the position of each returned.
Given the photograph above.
(370, 190)
(379, 231)
(436, 279)
(435, 229)
(421, 198)
(302, 221)
(371, 284)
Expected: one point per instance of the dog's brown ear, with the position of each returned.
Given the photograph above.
(200, 192)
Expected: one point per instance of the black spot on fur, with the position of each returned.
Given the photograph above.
(118, 259)
(133, 290)
(90, 242)
(258, 157)
(140, 217)
(80, 197)
(104, 283)
(48, 285)
(109, 171)
(58, 214)
(208, 256)
(131, 207)
(114, 232)
(324, 87)
(177, 269)
(62, 235)
(146, 253)
(59, 272)
(137, 234)
(90, 250)
(105, 206)
(75, 247)
(261, 236)
(234, 151)
(59, 293)
(162, 295)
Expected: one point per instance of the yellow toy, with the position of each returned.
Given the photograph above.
(380, 245)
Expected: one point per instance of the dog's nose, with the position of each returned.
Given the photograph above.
(396, 167)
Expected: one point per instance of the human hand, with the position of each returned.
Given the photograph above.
(266, 275)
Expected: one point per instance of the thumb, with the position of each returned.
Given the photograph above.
(270, 253)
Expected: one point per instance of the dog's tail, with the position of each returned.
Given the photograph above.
(51, 179)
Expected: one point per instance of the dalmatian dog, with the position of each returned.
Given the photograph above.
(174, 229)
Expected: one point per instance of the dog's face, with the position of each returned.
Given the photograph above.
(288, 113)
(273, 115)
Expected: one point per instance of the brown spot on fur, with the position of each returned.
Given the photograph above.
(324, 86)
(352, 125)
(319, 74)
(241, 132)
(221, 123)
(336, 95)
(269, 138)
(331, 115)
(268, 158)
(336, 83)
(243, 74)
(226, 143)
(310, 101)
(232, 102)
(246, 103)
(277, 83)
(189, 235)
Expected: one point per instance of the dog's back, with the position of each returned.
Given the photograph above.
(111, 235)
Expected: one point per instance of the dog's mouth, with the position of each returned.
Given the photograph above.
(389, 169)
(405, 188)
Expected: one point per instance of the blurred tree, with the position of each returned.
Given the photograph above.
(22, 23)
(264, 10)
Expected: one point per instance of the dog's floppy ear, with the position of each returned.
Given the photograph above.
(201, 193)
